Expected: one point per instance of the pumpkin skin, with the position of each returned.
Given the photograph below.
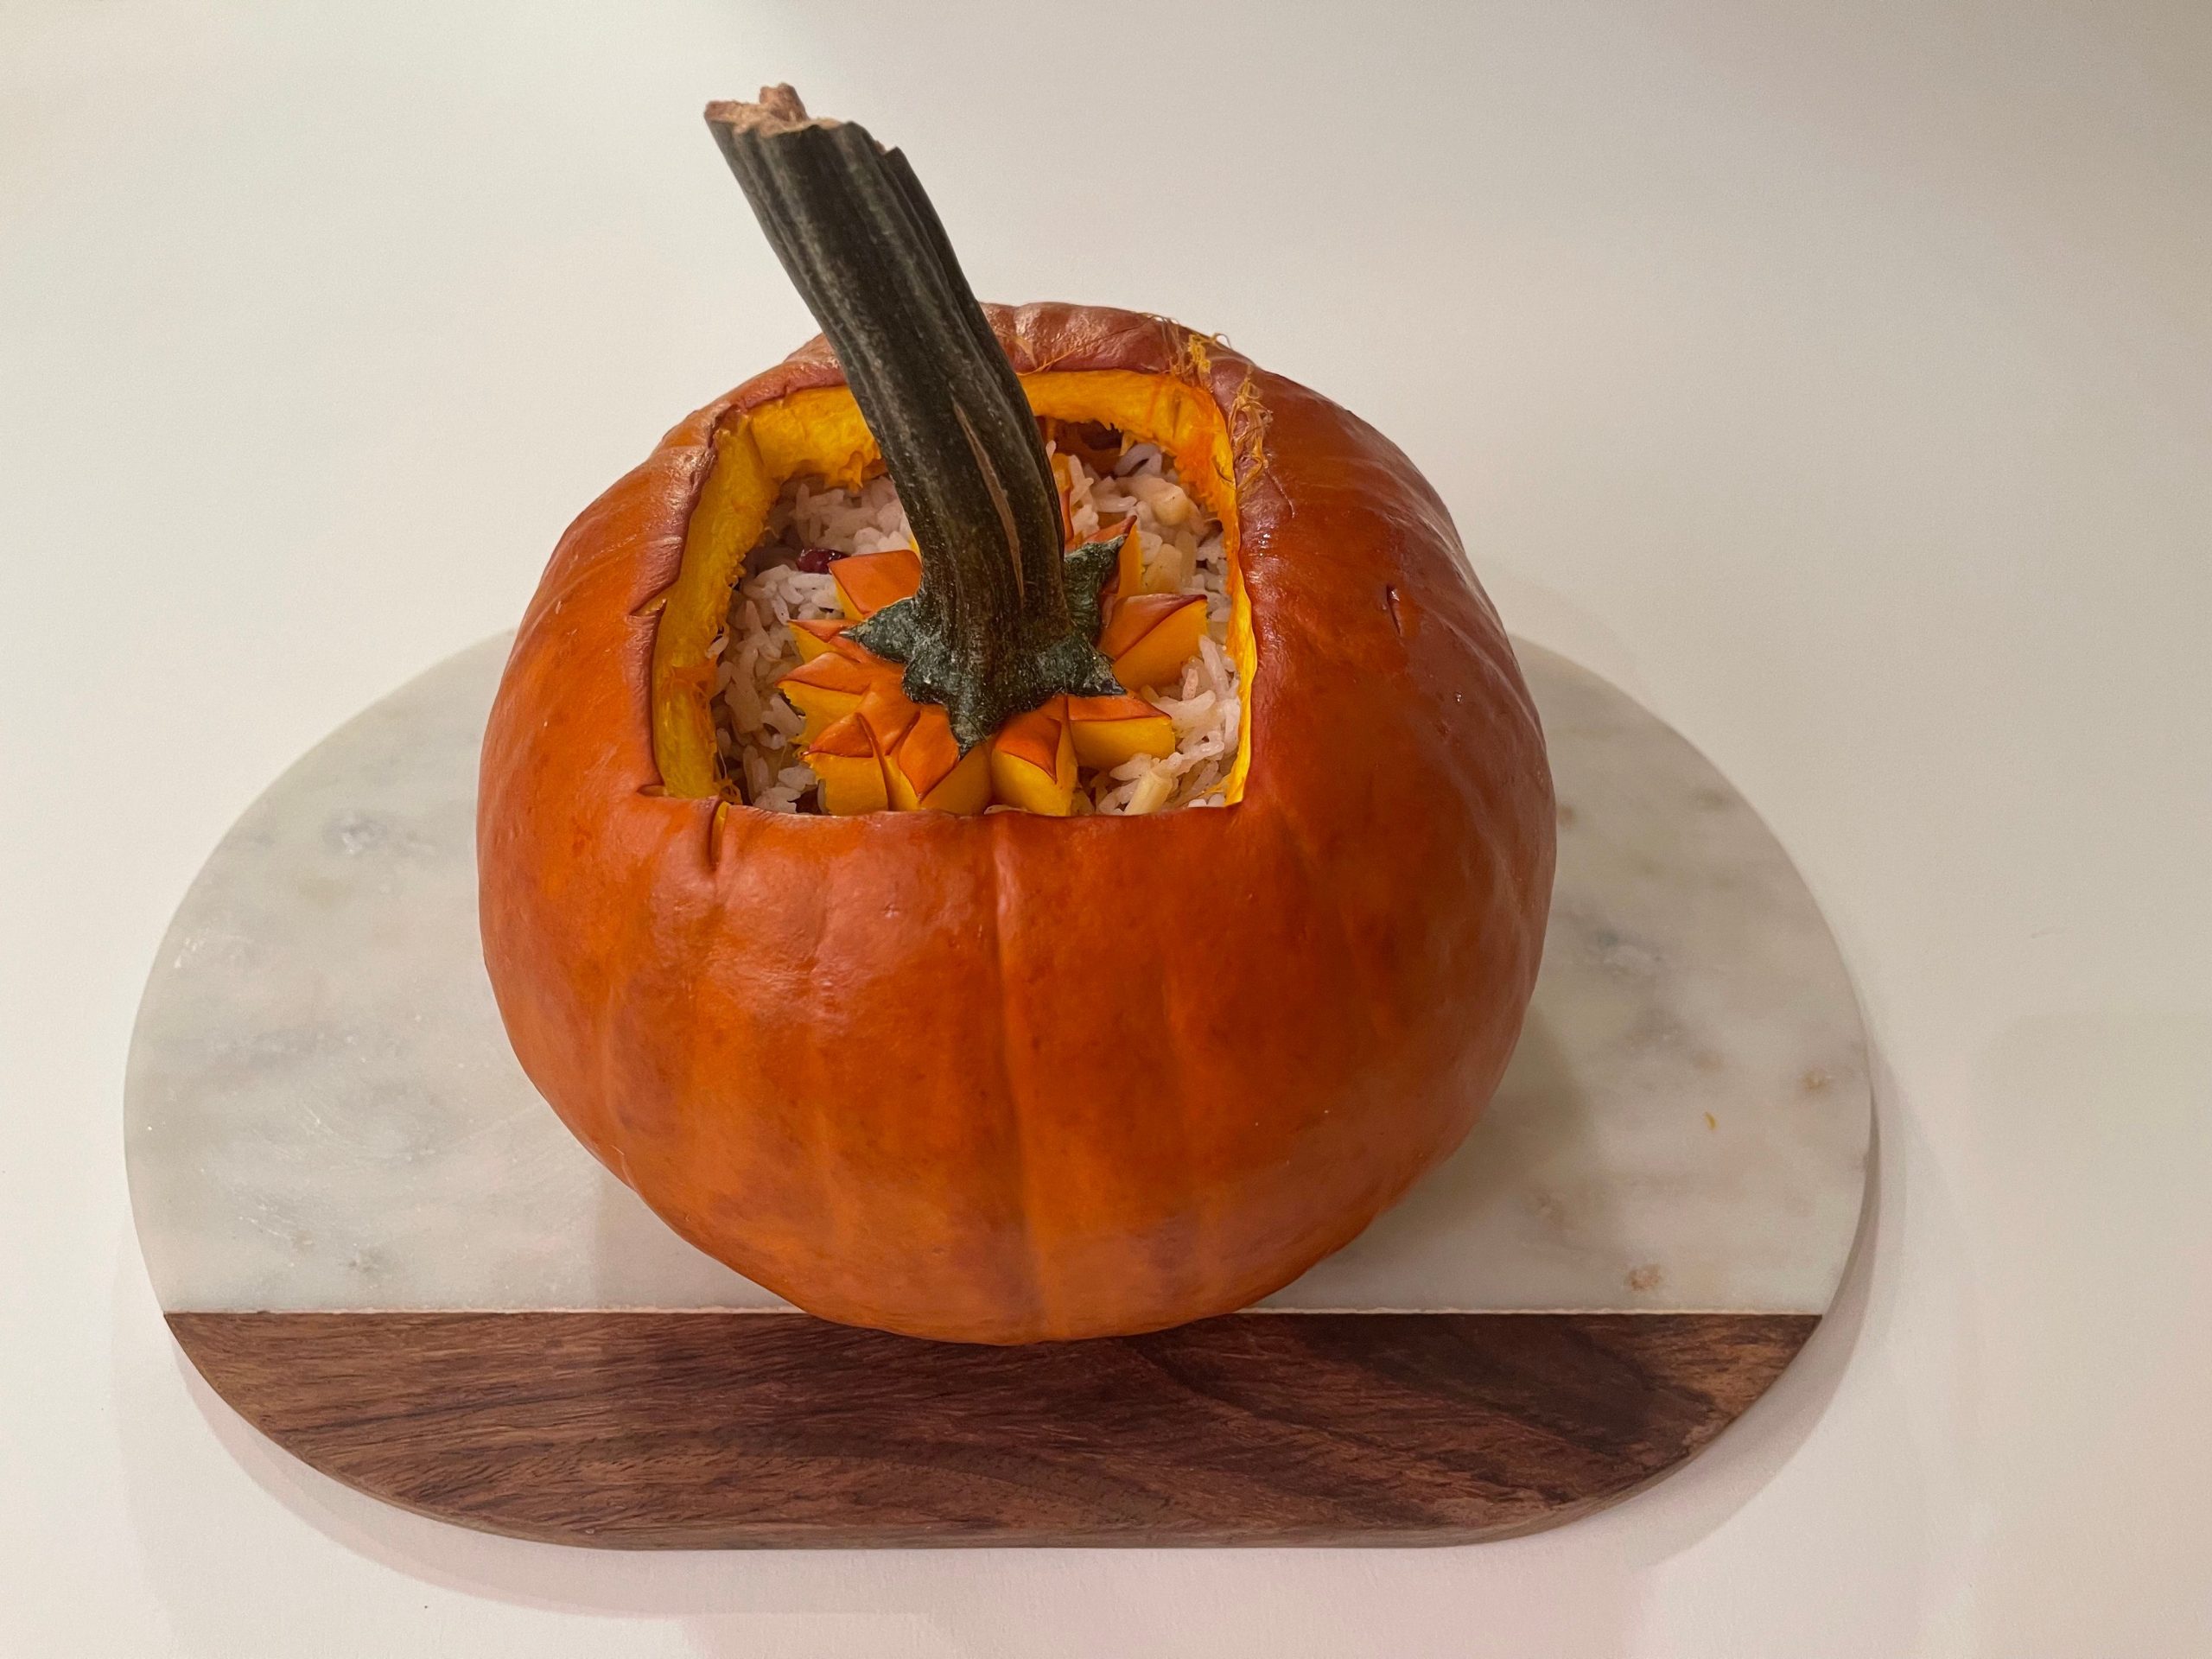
(1007, 1078)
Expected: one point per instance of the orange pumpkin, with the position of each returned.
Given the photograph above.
(1014, 1077)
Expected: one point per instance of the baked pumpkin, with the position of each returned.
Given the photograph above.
(1000, 1075)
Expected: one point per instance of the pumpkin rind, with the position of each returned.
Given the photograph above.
(1005, 1077)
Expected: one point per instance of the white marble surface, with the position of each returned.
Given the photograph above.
(323, 1112)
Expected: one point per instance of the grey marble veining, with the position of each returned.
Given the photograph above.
(323, 1112)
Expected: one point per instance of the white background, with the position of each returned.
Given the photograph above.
(1838, 380)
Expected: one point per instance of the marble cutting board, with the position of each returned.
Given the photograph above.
(345, 1186)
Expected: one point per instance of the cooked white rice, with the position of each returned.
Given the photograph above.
(757, 730)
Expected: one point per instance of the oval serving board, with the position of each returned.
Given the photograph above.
(382, 1249)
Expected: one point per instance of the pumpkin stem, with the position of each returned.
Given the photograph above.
(990, 634)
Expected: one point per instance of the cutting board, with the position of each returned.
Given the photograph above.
(379, 1246)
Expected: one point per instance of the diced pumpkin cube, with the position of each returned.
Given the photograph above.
(846, 761)
(1033, 761)
(927, 773)
(888, 713)
(869, 581)
(1151, 636)
(815, 634)
(830, 687)
(1109, 731)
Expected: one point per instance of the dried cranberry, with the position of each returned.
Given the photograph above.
(817, 561)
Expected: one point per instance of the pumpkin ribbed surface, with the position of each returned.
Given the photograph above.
(1007, 1077)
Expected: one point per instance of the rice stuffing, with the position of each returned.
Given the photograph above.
(757, 730)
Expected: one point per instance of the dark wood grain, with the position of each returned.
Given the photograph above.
(651, 1430)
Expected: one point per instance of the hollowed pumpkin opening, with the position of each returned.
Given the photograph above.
(788, 733)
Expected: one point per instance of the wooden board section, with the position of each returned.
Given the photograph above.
(705, 1429)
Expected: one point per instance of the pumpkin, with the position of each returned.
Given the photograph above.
(1006, 1077)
